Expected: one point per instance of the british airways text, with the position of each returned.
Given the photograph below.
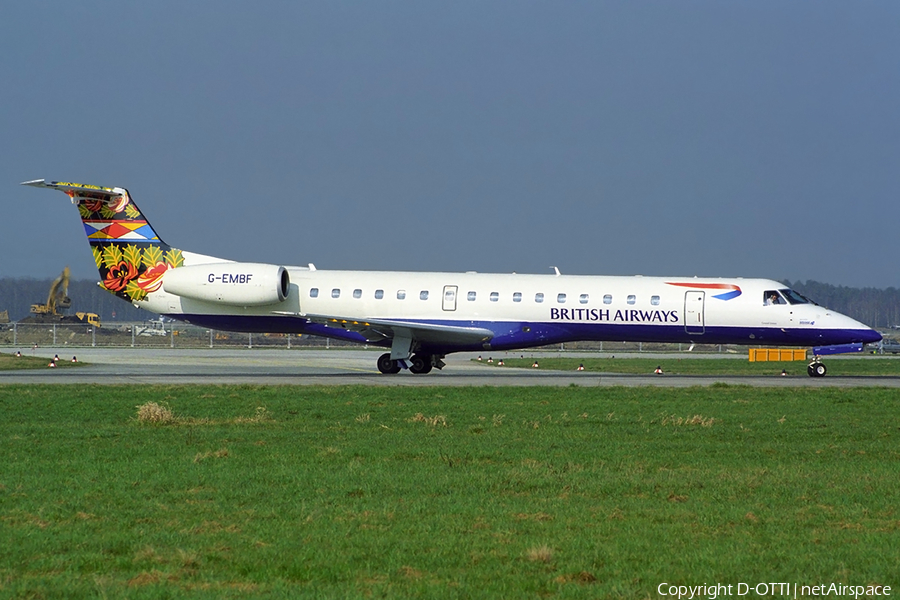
(230, 278)
(622, 316)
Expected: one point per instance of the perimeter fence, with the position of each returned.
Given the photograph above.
(157, 334)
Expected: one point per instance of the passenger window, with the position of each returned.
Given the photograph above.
(561, 298)
(607, 299)
(423, 295)
(401, 294)
(583, 299)
(470, 296)
(517, 296)
(539, 297)
(314, 292)
(336, 293)
(379, 294)
(357, 293)
(495, 296)
(771, 297)
(631, 299)
(654, 300)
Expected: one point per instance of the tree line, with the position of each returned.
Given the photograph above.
(879, 308)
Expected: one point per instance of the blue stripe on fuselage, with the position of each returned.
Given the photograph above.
(509, 335)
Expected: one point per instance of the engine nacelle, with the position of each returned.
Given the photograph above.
(235, 284)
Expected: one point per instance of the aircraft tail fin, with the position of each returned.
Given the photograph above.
(130, 256)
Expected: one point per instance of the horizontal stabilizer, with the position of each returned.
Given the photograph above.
(78, 189)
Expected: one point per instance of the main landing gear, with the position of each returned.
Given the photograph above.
(388, 366)
(419, 364)
(816, 368)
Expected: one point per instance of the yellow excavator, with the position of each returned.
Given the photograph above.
(58, 300)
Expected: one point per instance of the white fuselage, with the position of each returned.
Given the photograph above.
(526, 310)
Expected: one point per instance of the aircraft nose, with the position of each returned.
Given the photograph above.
(871, 336)
(860, 332)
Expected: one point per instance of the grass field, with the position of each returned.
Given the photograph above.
(10, 362)
(350, 492)
(675, 365)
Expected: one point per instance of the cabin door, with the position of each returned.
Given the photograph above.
(694, 323)
(450, 297)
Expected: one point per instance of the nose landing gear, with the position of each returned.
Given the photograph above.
(816, 368)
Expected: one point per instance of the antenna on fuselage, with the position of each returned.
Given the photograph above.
(556, 269)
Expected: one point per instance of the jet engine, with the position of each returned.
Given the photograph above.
(232, 283)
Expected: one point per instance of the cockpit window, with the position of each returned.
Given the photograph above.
(795, 298)
(771, 297)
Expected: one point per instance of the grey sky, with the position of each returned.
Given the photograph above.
(661, 138)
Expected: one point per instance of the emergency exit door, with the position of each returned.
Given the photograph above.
(450, 297)
(694, 323)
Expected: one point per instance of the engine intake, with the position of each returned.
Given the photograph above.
(236, 284)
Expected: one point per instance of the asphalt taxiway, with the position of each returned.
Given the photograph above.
(356, 367)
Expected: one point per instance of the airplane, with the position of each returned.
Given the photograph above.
(422, 317)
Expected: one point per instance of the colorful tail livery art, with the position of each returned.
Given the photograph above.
(733, 290)
(129, 254)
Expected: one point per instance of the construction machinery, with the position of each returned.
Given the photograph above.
(58, 301)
